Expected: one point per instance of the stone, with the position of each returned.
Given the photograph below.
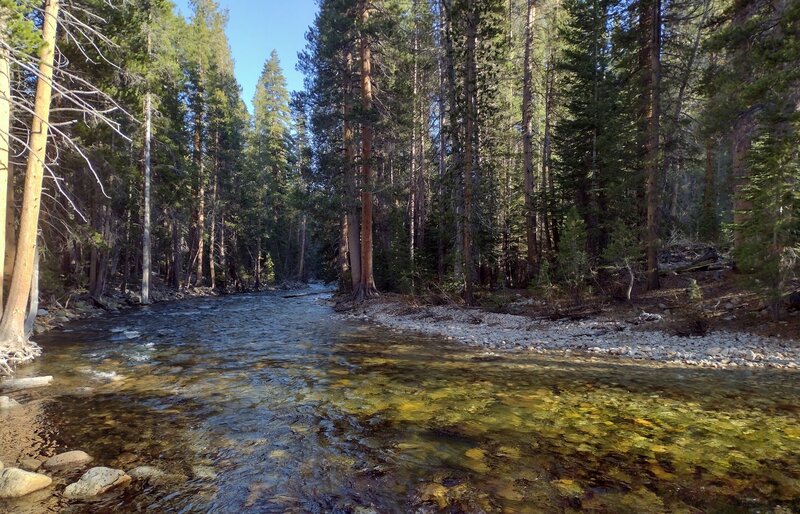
(16, 384)
(16, 482)
(146, 473)
(73, 459)
(7, 403)
(1, 465)
(29, 464)
(42, 312)
(96, 481)
(729, 306)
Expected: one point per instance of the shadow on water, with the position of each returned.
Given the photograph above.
(267, 404)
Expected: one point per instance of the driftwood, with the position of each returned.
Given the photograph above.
(709, 261)
(15, 384)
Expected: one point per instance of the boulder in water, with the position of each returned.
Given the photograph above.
(16, 482)
(96, 481)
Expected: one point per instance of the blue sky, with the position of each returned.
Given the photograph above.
(255, 27)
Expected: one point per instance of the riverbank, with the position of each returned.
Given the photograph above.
(643, 336)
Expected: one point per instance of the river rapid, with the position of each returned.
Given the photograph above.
(262, 403)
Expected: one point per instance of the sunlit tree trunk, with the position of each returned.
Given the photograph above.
(469, 157)
(366, 286)
(212, 234)
(341, 254)
(302, 259)
(146, 250)
(5, 139)
(527, 143)
(353, 236)
(650, 21)
(33, 301)
(12, 327)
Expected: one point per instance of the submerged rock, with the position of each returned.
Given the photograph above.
(16, 482)
(71, 459)
(146, 473)
(204, 472)
(16, 384)
(96, 481)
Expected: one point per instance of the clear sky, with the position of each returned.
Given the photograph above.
(255, 27)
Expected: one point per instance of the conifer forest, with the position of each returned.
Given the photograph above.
(590, 181)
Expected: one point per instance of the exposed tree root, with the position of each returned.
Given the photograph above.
(365, 292)
(13, 356)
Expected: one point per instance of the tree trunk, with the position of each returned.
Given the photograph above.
(177, 258)
(146, 250)
(33, 303)
(455, 143)
(469, 157)
(708, 227)
(650, 17)
(547, 187)
(353, 237)
(301, 261)
(12, 327)
(527, 144)
(341, 254)
(5, 140)
(366, 286)
(200, 194)
(10, 228)
(212, 234)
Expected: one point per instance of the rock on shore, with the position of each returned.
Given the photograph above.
(72, 459)
(16, 482)
(600, 337)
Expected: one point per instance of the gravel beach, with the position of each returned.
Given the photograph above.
(644, 338)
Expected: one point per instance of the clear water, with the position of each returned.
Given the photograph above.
(260, 403)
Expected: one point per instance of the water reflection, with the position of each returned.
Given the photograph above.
(264, 403)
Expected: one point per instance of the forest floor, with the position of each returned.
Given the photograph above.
(658, 326)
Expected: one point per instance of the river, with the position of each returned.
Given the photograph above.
(261, 403)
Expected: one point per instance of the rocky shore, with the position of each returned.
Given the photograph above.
(643, 338)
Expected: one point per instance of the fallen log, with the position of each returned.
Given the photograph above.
(16, 384)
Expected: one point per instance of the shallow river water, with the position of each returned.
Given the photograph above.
(260, 403)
